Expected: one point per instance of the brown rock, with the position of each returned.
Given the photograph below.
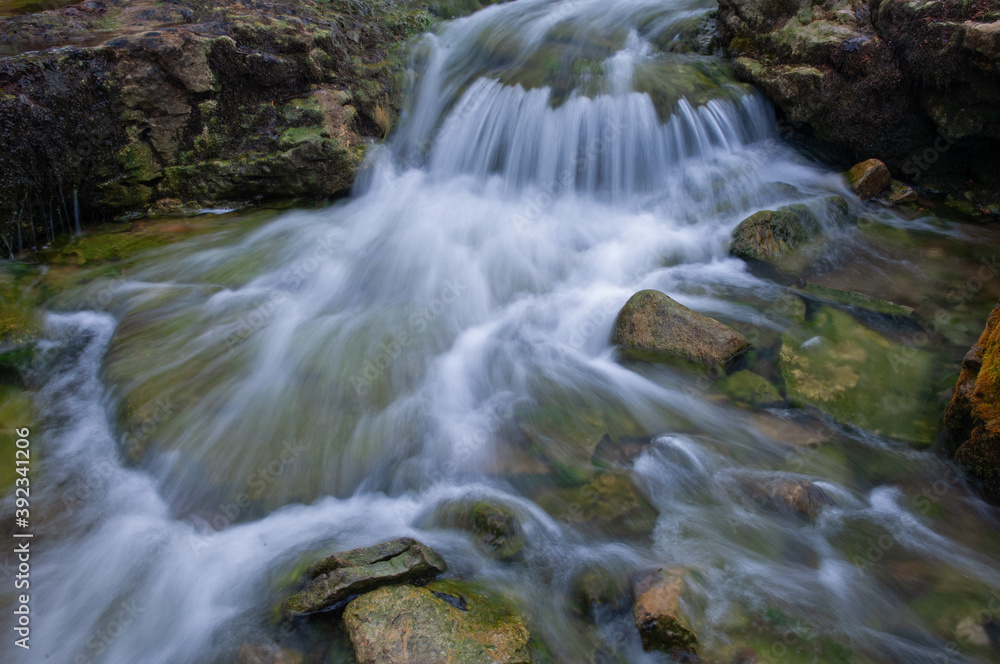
(869, 178)
(972, 422)
(659, 614)
(445, 621)
(652, 327)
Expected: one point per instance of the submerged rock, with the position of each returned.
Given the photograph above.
(610, 505)
(602, 586)
(496, 529)
(748, 388)
(565, 436)
(868, 178)
(972, 422)
(445, 621)
(790, 496)
(268, 654)
(659, 613)
(652, 327)
(859, 377)
(349, 573)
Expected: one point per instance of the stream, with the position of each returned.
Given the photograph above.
(316, 380)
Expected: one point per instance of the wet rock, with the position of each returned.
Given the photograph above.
(610, 505)
(496, 529)
(602, 586)
(852, 300)
(748, 388)
(349, 573)
(209, 105)
(659, 613)
(859, 377)
(792, 496)
(971, 433)
(445, 621)
(900, 194)
(652, 327)
(768, 234)
(565, 438)
(868, 178)
(913, 84)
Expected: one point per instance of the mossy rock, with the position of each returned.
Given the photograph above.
(565, 437)
(444, 621)
(746, 387)
(610, 505)
(768, 234)
(860, 377)
(495, 528)
(652, 327)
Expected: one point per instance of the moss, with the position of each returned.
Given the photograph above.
(860, 377)
(748, 388)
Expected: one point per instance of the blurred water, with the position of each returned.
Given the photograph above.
(350, 370)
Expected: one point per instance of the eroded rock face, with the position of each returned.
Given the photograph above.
(915, 84)
(208, 106)
(972, 421)
(659, 613)
(445, 621)
(652, 327)
(349, 573)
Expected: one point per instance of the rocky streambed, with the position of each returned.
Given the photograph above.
(595, 364)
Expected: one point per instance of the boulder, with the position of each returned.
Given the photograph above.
(652, 327)
(770, 233)
(659, 613)
(346, 574)
(971, 433)
(445, 621)
(868, 178)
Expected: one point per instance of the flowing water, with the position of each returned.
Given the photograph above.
(328, 379)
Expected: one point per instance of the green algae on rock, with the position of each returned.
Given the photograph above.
(652, 327)
(211, 106)
(746, 387)
(859, 377)
(444, 621)
(496, 528)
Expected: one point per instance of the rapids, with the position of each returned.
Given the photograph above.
(353, 368)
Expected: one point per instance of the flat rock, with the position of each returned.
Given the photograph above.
(652, 327)
(349, 573)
